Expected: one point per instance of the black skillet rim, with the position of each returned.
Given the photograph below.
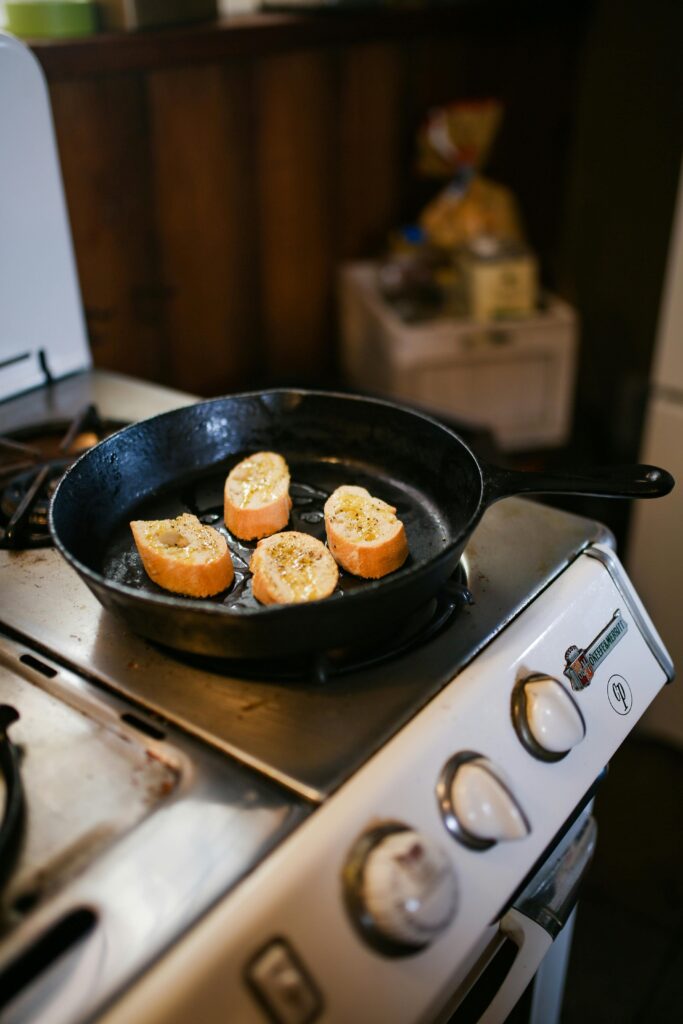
(367, 592)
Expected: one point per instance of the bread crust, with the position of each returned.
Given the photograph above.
(256, 496)
(363, 533)
(292, 567)
(183, 555)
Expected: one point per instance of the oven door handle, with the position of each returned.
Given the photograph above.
(540, 913)
(532, 942)
(12, 820)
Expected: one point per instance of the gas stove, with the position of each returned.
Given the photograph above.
(366, 837)
(298, 846)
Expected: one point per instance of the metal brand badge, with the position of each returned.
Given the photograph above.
(581, 665)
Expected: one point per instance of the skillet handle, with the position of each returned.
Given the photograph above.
(607, 482)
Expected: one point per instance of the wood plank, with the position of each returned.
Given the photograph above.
(102, 137)
(261, 33)
(373, 148)
(294, 119)
(204, 200)
(212, 203)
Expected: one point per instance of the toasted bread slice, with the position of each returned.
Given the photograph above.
(257, 501)
(292, 567)
(183, 555)
(363, 533)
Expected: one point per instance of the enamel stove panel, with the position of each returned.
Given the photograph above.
(429, 895)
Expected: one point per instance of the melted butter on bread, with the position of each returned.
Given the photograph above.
(256, 497)
(292, 567)
(184, 538)
(363, 532)
(184, 555)
(296, 565)
(362, 515)
(258, 479)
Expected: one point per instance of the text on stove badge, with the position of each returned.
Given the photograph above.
(581, 664)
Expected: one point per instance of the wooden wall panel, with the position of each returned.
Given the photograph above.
(295, 129)
(200, 131)
(214, 193)
(373, 154)
(436, 73)
(103, 144)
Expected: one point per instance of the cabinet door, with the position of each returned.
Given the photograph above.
(655, 556)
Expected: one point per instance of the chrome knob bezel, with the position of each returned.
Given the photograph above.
(353, 888)
(444, 790)
(361, 886)
(520, 721)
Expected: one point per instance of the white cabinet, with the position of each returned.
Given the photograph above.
(515, 377)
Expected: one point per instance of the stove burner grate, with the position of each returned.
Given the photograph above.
(32, 463)
(317, 670)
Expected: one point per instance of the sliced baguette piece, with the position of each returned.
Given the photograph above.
(363, 533)
(256, 498)
(292, 567)
(183, 555)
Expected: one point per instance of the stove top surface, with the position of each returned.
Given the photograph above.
(127, 833)
(306, 734)
(116, 396)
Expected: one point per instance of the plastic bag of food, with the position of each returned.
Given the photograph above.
(457, 137)
(454, 142)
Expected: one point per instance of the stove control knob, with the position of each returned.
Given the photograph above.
(400, 888)
(477, 803)
(547, 718)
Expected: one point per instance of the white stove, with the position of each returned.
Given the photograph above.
(202, 834)
(359, 838)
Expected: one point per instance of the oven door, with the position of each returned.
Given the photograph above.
(532, 941)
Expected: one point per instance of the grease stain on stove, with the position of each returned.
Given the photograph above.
(509, 510)
(15, 556)
(543, 568)
(252, 705)
(483, 580)
(154, 791)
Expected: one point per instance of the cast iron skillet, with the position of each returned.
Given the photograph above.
(178, 462)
